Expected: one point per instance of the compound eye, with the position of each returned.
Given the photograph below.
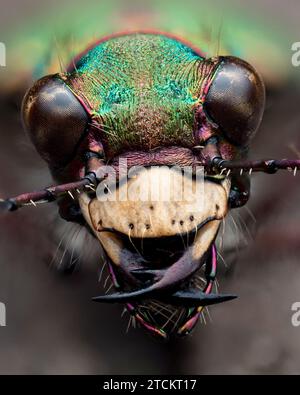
(54, 119)
(235, 100)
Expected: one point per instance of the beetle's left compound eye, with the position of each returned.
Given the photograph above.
(235, 100)
(54, 119)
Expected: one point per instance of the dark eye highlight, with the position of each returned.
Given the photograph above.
(236, 99)
(54, 119)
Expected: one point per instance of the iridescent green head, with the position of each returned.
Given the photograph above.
(143, 91)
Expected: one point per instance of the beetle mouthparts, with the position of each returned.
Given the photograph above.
(189, 298)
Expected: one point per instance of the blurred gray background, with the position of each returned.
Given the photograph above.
(52, 325)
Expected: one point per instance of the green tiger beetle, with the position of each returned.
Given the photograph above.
(157, 103)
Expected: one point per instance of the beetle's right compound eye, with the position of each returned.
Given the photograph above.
(236, 99)
(55, 119)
